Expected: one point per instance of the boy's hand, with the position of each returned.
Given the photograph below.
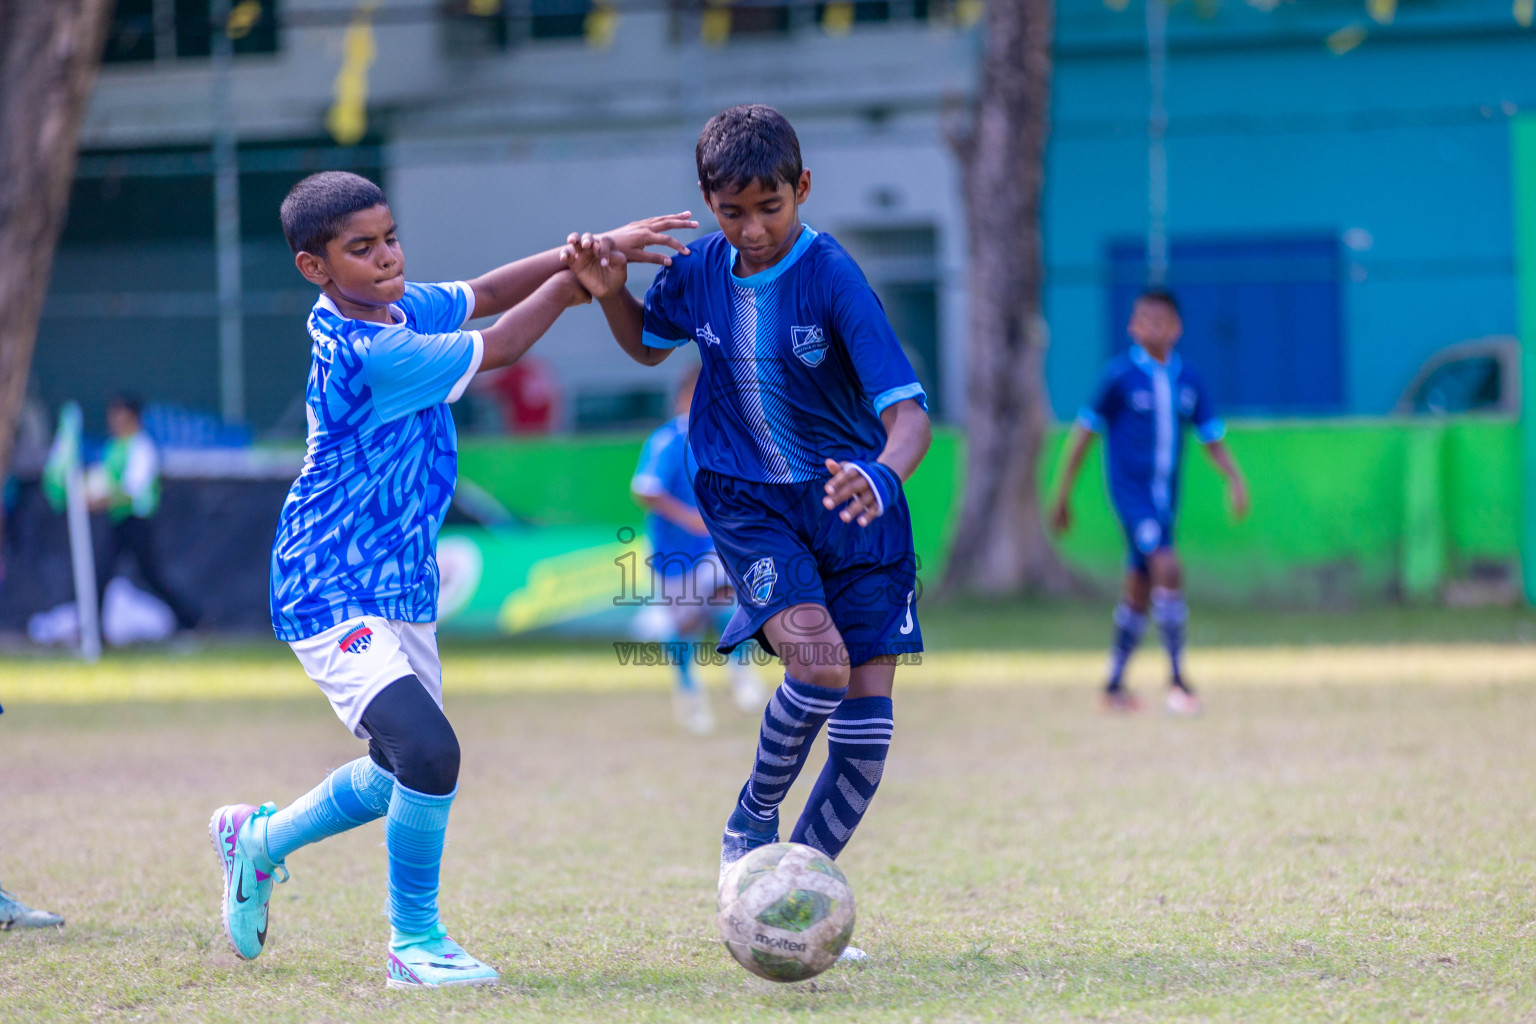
(573, 291)
(853, 483)
(632, 238)
(1061, 515)
(601, 269)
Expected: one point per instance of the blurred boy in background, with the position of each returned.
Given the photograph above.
(1143, 402)
(694, 589)
(128, 490)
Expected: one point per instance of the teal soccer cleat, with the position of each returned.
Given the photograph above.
(16, 914)
(434, 961)
(247, 875)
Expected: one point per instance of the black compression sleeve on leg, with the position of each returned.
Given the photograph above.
(414, 736)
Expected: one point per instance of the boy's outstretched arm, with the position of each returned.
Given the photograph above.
(674, 511)
(525, 323)
(499, 290)
(601, 267)
(1061, 508)
(1237, 488)
(908, 433)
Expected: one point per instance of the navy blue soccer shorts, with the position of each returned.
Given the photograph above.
(1148, 529)
(781, 548)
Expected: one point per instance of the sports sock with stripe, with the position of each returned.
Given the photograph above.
(1130, 625)
(790, 723)
(858, 738)
(1171, 613)
(413, 835)
(352, 795)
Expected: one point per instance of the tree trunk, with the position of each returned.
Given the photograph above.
(49, 51)
(1001, 546)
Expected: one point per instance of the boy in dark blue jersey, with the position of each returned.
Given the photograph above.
(1142, 405)
(806, 420)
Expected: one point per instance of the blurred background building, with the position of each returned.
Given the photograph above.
(1339, 200)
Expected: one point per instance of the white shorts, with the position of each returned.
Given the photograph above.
(352, 662)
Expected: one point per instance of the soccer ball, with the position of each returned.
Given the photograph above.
(785, 912)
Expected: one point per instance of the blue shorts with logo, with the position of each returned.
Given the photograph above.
(1147, 528)
(781, 548)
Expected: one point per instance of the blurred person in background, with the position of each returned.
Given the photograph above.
(128, 491)
(695, 591)
(1144, 400)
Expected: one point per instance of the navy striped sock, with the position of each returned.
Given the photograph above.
(790, 723)
(858, 737)
(1129, 627)
(1171, 613)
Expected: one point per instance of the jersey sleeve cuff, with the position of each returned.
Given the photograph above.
(1090, 421)
(1211, 431)
(469, 301)
(657, 341)
(647, 485)
(885, 399)
(475, 359)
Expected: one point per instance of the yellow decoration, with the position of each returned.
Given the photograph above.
(969, 12)
(483, 8)
(1382, 11)
(242, 18)
(600, 26)
(715, 26)
(1524, 9)
(837, 19)
(348, 117)
(1346, 39)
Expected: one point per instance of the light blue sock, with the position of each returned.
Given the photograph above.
(1129, 627)
(413, 835)
(352, 795)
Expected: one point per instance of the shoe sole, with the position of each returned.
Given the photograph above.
(218, 856)
(467, 983)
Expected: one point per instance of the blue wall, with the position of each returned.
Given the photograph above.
(1272, 135)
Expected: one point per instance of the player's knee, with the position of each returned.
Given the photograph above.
(830, 672)
(430, 761)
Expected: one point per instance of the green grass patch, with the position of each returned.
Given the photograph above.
(1345, 835)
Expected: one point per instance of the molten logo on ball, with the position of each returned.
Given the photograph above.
(786, 912)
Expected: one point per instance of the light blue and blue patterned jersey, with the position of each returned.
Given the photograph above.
(358, 530)
(798, 361)
(663, 470)
(1141, 407)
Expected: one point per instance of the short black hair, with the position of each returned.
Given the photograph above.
(316, 208)
(127, 400)
(1162, 295)
(747, 143)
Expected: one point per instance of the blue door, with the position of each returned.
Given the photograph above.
(1262, 318)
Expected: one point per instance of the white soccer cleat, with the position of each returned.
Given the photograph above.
(747, 689)
(1183, 703)
(691, 709)
(852, 955)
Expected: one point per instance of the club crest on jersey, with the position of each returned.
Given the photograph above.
(760, 580)
(706, 335)
(809, 344)
(357, 641)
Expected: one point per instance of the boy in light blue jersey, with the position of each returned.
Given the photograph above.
(1142, 405)
(807, 418)
(354, 577)
(688, 580)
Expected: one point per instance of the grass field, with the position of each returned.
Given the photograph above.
(1346, 835)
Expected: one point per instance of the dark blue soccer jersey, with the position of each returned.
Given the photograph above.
(798, 361)
(1141, 407)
